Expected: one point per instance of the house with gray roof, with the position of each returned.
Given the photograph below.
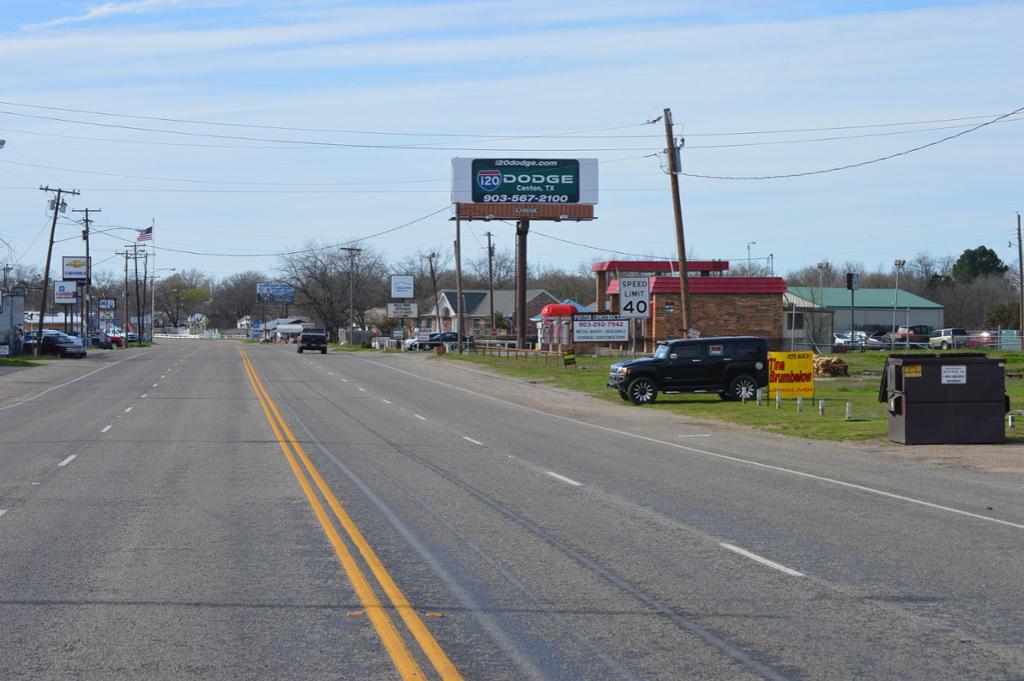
(478, 309)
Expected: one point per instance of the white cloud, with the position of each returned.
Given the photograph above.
(107, 9)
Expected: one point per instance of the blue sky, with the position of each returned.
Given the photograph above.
(444, 79)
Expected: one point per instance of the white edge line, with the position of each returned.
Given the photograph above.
(469, 439)
(106, 428)
(73, 380)
(760, 559)
(564, 479)
(66, 461)
(421, 418)
(724, 457)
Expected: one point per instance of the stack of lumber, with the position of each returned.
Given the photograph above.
(830, 366)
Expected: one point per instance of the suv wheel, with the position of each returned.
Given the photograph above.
(642, 391)
(945, 345)
(743, 387)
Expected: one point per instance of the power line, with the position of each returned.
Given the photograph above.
(861, 163)
(280, 254)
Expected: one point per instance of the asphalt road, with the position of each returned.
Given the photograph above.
(246, 512)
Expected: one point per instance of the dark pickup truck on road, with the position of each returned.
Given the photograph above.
(313, 339)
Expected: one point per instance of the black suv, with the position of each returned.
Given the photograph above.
(732, 366)
(313, 339)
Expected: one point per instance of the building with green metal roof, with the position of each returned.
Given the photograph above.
(813, 314)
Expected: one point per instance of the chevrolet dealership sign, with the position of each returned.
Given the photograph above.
(524, 180)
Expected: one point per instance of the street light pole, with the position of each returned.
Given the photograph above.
(899, 264)
(749, 244)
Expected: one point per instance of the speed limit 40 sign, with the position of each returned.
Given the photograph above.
(634, 297)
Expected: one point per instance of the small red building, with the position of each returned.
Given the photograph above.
(720, 305)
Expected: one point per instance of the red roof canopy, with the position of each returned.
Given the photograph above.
(713, 285)
(659, 266)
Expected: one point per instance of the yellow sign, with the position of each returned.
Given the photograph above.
(791, 373)
(911, 371)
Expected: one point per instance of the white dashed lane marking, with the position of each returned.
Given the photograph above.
(762, 560)
(66, 461)
(362, 390)
(385, 401)
(2, 511)
(106, 428)
(568, 481)
(469, 439)
(421, 418)
(144, 395)
(128, 410)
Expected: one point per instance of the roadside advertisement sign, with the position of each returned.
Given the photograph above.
(398, 333)
(275, 293)
(423, 335)
(791, 373)
(634, 297)
(402, 310)
(65, 292)
(75, 267)
(402, 286)
(106, 304)
(524, 180)
(599, 328)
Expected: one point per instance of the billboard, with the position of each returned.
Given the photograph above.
(75, 267)
(275, 293)
(402, 286)
(106, 304)
(599, 328)
(545, 181)
(402, 310)
(791, 373)
(65, 292)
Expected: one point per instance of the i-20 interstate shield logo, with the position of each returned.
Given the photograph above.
(488, 180)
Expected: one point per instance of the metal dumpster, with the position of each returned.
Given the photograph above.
(945, 399)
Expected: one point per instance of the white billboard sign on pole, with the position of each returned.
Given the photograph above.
(75, 267)
(402, 286)
(65, 292)
(599, 328)
(634, 297)
(402, 310)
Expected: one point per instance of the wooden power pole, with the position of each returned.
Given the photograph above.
(673, 170)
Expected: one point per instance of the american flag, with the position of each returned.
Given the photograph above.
(146, 234)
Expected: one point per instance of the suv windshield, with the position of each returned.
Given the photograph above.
(661, 352)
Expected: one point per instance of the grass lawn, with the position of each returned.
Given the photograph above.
(870, 418)
(15, 362)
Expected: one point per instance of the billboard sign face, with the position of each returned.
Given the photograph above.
(75, 267)
(402, 286)
(106, 304)
(634, 297)
(65, 292)
(275, 293)
(402, 310)
(524, 180)
(599, 328)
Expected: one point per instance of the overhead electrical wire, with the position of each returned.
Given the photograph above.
(577, 134)
(280, 254)
(859, 164)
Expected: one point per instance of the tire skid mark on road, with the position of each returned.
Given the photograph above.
(684, 621)
(716, 455)
(761, 559)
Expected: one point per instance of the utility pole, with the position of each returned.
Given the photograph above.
(351, 287)
(522, 229)
(138, 299)
(7, 271)
(459, 312)
(433, 284)
(57, 209)
(142, 300)
(490, 280)
(87, 301)
(1020, 278)
(677, 209)
(124, 327)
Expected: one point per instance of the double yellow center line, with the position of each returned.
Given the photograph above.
(404, 661)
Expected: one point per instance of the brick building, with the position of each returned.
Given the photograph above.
(719, 305)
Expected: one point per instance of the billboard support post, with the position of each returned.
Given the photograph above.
(522, 229)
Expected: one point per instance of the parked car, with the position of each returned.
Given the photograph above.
(948, 338)
(101, 340)
(732, 366)
(312, 339)
(918, 333)
(62, 345)
(438, 339)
